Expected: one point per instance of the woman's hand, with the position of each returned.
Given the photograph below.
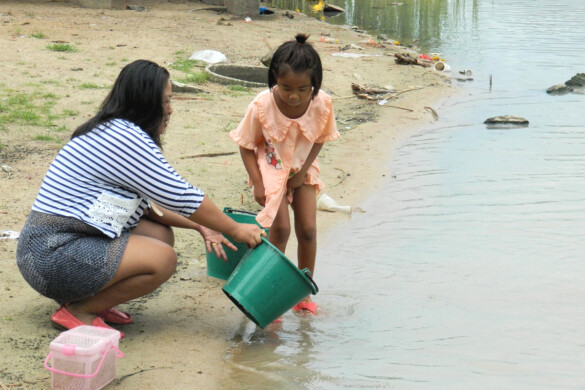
(249, 233)
(214, 240)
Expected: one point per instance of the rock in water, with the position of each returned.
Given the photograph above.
(506, 120)
(576, 81)
(559, 89)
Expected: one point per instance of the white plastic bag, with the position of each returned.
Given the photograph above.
(209, 56)
(327, 203)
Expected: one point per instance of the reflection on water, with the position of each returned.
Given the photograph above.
(410, 22)
(262, 359)
(466, 271)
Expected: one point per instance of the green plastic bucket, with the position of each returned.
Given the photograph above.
(220, 269)
(266, 284)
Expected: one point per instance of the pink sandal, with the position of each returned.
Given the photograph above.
(304, 305)
(63, 319)
(115, 316)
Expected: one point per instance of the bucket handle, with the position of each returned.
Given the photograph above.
(230, 210)
(120, 354)
(314, 286)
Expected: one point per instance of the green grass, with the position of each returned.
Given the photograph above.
(26, 115)
(197, 78)
(38, 35)
(62, 47)
(49, 95)
(34, 109)
(47, 138)
(238, 88)
(89, 86)
(183, 65)
(193, 70)
(70, 113)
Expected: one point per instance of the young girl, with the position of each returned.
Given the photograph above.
(100, 230)
(280, 137)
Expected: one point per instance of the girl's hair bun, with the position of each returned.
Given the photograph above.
(301, 38)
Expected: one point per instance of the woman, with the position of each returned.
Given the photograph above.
(99, 233)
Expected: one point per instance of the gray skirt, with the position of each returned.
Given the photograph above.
(65, 259)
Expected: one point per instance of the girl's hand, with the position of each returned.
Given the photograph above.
(249, 233)
(214, 240)
(294, 182)
(260, 194)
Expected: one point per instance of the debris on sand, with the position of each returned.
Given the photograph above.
(370, 93)
(407, 59)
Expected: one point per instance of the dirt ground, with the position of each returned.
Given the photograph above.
(179, 337)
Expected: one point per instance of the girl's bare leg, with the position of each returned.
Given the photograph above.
(148, 261)
(305, 211)
(279, 232)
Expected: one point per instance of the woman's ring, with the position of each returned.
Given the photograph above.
(213, 243)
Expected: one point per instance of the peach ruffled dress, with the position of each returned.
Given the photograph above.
(282, 144)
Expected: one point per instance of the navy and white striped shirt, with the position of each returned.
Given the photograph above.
(107, 178)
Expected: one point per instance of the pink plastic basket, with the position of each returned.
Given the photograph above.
(83, 358)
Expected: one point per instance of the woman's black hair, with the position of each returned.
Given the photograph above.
(137, 96)
(298, 56)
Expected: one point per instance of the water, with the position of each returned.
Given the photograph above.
(467, 270)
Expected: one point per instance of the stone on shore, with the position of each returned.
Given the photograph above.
(184, 88)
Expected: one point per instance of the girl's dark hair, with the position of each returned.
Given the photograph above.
(298, 56)
(137, 96)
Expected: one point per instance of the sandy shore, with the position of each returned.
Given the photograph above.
(181, 331)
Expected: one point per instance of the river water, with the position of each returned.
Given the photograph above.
(467, 270)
